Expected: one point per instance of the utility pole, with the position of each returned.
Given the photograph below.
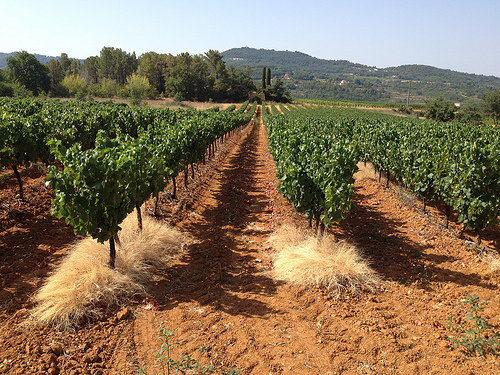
(408, 98)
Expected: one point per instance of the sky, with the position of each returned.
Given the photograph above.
(461, 35)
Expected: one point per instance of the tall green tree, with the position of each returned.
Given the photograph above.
(65, 62)
(240, 84)
(278, 93)
(74, 67)
(116, 64)
(263, 78)
(204, 77)
(491, 104)
(90, 70)
(216, 63)
(56, 71)
(153, 66)
(107, 63)
(56, 74)
(268, 77)
(218, 77)
(60, 68)
(180, 83)
(470, 112)
(27, 71)
(189, 78)
(439, 109)
(200, 71)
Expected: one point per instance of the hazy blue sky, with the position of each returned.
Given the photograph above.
(462, 35)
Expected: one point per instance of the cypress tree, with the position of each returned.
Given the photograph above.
(263, 78)
(268, 79)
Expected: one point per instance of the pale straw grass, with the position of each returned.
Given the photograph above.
(318, 262)
(493, 262)
(83, 280)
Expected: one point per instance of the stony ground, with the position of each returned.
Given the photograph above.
(226, 310)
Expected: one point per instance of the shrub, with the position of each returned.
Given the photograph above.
(6, 89)
(74, 84)
(469, 112)
(178, 97)
(138, 87)
(108, 88)
(58, 91)
(439, 109)
(21, 91)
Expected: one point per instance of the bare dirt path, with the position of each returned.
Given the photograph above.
(219, 298)
(228, 313)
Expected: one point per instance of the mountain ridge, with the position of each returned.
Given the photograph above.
(250, 52)
(311, 77)
(306, 76)
(44, 59)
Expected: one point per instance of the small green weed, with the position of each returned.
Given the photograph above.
(475, 333)
(165, 360)
(186, 365)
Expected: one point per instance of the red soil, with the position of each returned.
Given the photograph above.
(227, 311)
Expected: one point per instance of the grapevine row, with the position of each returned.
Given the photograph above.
(114, 157)
(454, 163)
(315, 165)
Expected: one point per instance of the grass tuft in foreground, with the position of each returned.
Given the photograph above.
(493, 262)
(309, 261)
(83, 280)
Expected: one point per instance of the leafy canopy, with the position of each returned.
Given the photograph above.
(27, 71)
(439, 109)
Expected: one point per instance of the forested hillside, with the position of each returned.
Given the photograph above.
(42, 58)
(225, 76)
(309, 77)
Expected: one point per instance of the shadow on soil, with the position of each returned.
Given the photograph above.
(29, 239)
(218, 262)
(392, 254)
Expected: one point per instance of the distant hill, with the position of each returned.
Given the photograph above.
(288, 61)
(306, 76)
(310, 77)
(42, 58)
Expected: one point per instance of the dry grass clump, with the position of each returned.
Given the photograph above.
(83, 280)
(309, 261)
(407, 197)
(493, 262)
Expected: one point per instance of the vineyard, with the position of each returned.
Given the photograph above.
(451, 163)
(114, 158)
(227, 182)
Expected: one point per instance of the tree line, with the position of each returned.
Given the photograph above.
(471, 111)
(117, 73)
